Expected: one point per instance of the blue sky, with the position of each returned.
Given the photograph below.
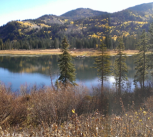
(30, 9)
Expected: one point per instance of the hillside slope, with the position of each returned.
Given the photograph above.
(81, 23)
(81, 13)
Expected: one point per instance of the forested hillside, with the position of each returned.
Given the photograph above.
(85, 28)
(81, 13)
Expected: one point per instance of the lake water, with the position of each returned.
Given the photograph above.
(39, 70)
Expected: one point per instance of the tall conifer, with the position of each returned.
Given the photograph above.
(150, 56)
(120, 68)
(141, 60)
(102, 63)
(1, 44)
(67, 69)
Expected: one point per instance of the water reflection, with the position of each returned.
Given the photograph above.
(41, 69)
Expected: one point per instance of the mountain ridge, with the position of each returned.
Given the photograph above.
(80, 23)
(142, 7)
(81, 13)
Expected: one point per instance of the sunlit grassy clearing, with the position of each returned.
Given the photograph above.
(83, 52)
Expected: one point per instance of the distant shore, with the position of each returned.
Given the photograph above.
(73, 52)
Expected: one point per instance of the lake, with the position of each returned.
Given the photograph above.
(40, 70)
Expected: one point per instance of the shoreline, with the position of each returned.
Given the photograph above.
(73, 52)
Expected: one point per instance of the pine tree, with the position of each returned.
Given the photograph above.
(141, 60)
(150, 56)
(67, 69)
(1, 44)
(102, 63)
(56, 43)
(120, 68)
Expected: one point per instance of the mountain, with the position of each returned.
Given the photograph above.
(51, 19)
(81, 13)
(81, 23)
(144, 10)
(145, 7)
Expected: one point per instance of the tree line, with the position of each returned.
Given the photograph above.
(130, 42)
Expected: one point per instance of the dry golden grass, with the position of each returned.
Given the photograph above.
(76, 52)
(46, 112)
(32, 52)
(128, 52)
(131, 124)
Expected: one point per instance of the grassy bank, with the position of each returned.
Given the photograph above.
(74, 52)
(73, 112)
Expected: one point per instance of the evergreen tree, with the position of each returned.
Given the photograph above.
(94, 42)
(102, 63)
(56, 43)
(120, 68)
(141, 60)
(1, 44)
(67, 70)
(150, 56)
